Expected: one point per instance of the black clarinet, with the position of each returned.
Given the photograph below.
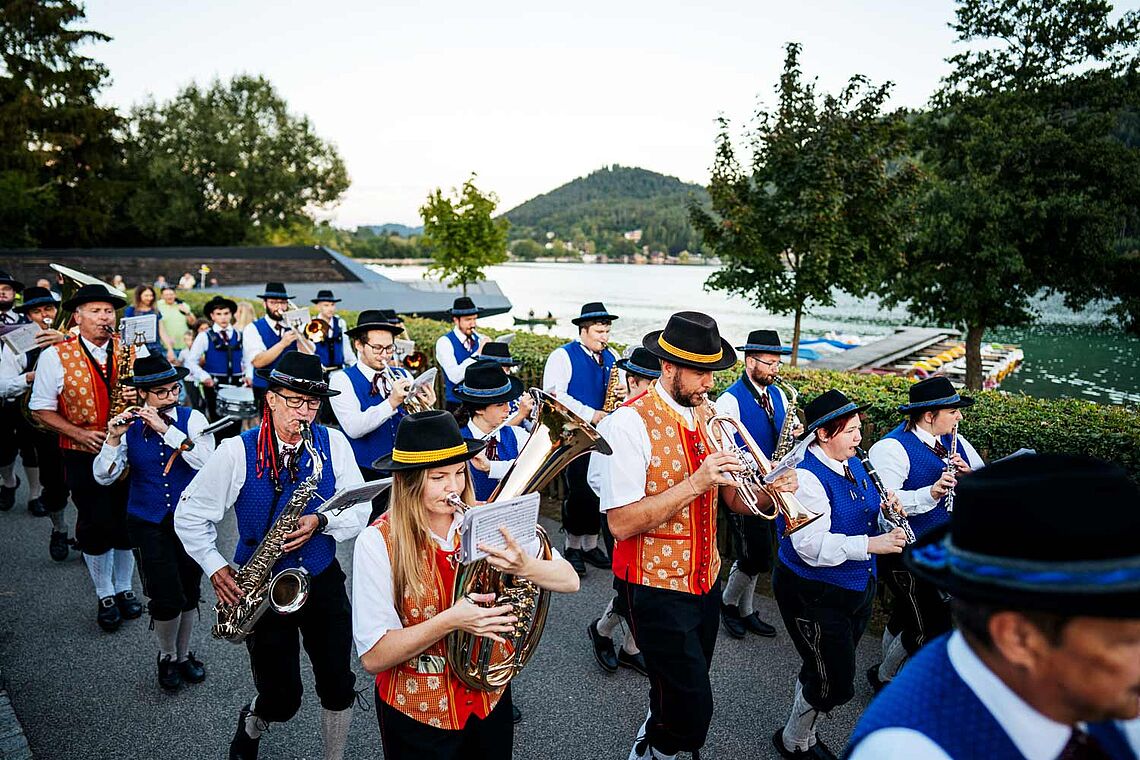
(893, 517)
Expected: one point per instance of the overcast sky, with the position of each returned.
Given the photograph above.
(417, 95)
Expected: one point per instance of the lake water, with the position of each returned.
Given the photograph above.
(1067, 354)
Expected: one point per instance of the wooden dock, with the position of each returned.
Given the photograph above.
(905, 341)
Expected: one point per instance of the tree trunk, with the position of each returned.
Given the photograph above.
(974, 335)
(463, 284)
(796, 336)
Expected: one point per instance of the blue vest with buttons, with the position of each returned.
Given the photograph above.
(925, 469)
(371, 446)
(223, 358)
(854, 512)
(270, 338)
(462, 354)
(258, 505)
(587, 378)
(760, 426)
(331, 349)
(154, 495)
(928, 696)
(507, 449)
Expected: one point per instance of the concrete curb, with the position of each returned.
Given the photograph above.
(13, 743)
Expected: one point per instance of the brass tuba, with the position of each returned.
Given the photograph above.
(559, 436)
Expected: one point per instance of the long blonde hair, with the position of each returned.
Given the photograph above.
(411, 537)
(244, 316)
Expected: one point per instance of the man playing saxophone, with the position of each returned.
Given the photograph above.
(257, 473)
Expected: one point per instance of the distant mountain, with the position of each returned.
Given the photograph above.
(392, 228)
(609, 202)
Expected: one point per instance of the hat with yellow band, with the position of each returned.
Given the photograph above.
(691, 339)
(428, 439)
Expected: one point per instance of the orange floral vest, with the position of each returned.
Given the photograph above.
(437, 699)
(84, 401)
(680, 554)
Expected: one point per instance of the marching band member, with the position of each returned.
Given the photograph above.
(576, 374)
(9, 407)
(911, 460)
(43, 464)
(660, 498)
(335, 351)
(216, 356)
(824, 581)
(1046, 657)
(500, 353)
(256, 473)
(640, 369)
(485, 394)
(267, 339)
(762, 409)
(164, 449)
(72, 396)
(403, 573)
(458, 349)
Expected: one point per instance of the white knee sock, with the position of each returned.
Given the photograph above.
(573, 542)
(185, 628)
(589, 542)
(254, 725)
(629, 644)
(748, 598)
(888, 639)
(100, 568)
(167, 633)
(8, 474)
(734, 588)
(334, 732)
(58, 523)
(799, 732)
(893, 661)
(35, 488)
(608, 621)
(124, 569)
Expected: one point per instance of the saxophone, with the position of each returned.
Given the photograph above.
(785, 441)
(612, 400)
(286, 591)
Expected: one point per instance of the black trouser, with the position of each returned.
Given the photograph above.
(210, 392)
(171, 580)
(325, 626)
(919, 614)
(52, 478)
(101, 524)
(676, 633)
(380, 503)
(402, 737)
(13, 437)
(580, 516)
(751, 541)
(825, 623)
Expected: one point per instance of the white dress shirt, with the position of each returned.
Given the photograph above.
(110, 460)
(49, 375)
(445, 355)
(202, 343)
(726, 403)
(815, 543)
(10, 317)
(893, 465)
(598, 471)
(13, 373)
(1035, 736)
(355, 423)
(216, 487)
(346, 341)
(500, 467)
(251, 342)
(556, 379)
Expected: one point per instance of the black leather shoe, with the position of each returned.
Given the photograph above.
(37, 508)
(168, 676)
(820, 751)
(129, 606)
(730, 616)
(192, 669)
(877, 684)
(753, 624)
(597, 558)
(516, 714)
(574, 557)
(633, 662)
(8, 496)
(790, 754)
(603, 648)
(109, 618)
(59, 546)
(242, 747)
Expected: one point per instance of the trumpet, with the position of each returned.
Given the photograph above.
(388, 378)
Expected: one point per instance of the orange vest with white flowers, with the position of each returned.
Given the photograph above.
(680, 554)
(85, 399)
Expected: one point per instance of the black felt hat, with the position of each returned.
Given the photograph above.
(935, 393)
(219, 302)
(275, 290)
(392, 316)
(298, 372)
(6, 279)
(33, 297)
(93, 293)
(595, 311)
(826, 407)
(1015, 540)
(764, 342)
(373, 319)
(463, 307)
(498, 353)
(325, 295)
(691, 339)
(152, 370)
(485, 383)
(428, 439)
(641, 363)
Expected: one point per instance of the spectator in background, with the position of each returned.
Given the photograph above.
(186, 281)
(117, 282)
(143, 305)
(245, 316)
(176, 317)
(213, 282)
(45, 283)
(160, 282)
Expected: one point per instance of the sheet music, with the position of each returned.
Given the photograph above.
(350, 497)
(296, 317)
(137, 330)
(505, 339)
(1019, 453)
(790, 460)
(481, 525)
(22, 338)
(426, 378)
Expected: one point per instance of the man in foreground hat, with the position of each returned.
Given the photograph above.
(267, 339)
(10, 411)
(659, 495)
(762, 409)
(1046, 655)
(257, 474)
(459, 348)
(912, 461)
(217, 354)
(335, 349)
(577, 374)
(72, 396)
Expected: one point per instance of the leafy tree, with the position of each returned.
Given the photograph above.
(58, 153)
(1035, 180)
(227, 164)
(461, 234)
(822, 205)
(527, 249)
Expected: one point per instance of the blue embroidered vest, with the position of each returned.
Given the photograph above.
(925, 469)
(258, 505)
(461, 355)
(370, 447)
(223, 358)
(507, 449)
(154, 495)
(331, 349)
(928, 696)
(587, 378)
(270, 338)
(762, 427)
(854, 512)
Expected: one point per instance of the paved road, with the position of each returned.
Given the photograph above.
(81, 693)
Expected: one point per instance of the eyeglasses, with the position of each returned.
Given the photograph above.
(382, 350)
(296, 402)
(770, 364)
(167, 392)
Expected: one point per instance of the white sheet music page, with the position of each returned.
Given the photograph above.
(481, 525)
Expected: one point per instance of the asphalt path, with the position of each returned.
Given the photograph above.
(82, 693)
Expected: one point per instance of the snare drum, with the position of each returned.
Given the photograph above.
(236, 401)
